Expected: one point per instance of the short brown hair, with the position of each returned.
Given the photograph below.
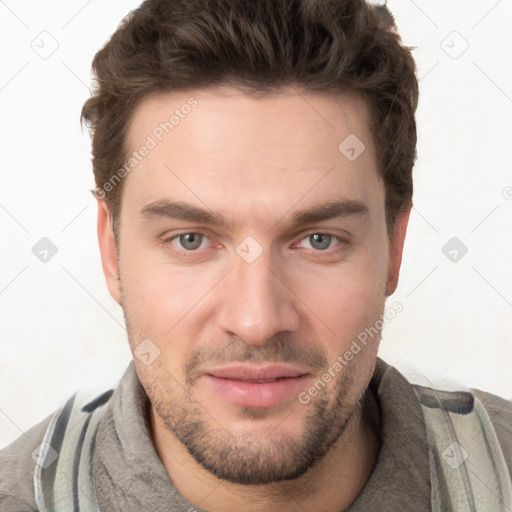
(257, 45)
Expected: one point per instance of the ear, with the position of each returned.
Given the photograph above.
(108, 250)
(396, 246)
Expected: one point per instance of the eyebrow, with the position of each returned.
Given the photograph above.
(181, 211)
(330, 210)
(187, 212)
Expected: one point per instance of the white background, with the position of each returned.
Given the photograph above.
(59, 328)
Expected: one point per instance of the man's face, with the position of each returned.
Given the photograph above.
(253, 251)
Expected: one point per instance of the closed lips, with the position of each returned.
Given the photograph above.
(256, 374)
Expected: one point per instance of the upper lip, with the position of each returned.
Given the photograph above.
(256, 373)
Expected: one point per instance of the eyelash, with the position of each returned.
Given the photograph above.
(342, 243)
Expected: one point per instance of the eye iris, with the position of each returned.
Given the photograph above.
(320, 241)
(191, 241)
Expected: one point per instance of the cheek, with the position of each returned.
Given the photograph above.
(163, 303)
(154, 310)
(345, 303)
(347, 293)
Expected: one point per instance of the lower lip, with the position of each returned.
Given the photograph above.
(257, 394)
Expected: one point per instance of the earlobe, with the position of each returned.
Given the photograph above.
(396, 247)
(108, 250)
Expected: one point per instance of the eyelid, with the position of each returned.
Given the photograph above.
(341, 241)
(170, 236)
(167, 241)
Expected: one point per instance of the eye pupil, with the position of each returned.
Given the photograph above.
(320, 241)
(191, 241)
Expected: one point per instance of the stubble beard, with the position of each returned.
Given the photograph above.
(238, 458)
(250, 459)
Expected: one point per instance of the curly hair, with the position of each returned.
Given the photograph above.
(258, 46)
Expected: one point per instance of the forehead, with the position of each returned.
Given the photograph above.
(224, 116)
(279, 147)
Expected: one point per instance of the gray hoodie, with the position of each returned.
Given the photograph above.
(128, 475)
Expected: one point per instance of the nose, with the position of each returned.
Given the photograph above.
(257, 304)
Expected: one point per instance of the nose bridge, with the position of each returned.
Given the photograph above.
(257, 304)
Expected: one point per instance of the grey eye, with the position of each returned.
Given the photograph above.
(320, 241)
(191, 241)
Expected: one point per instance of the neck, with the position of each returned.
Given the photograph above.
(329, 486)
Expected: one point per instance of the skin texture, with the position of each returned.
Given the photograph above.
(286, 297)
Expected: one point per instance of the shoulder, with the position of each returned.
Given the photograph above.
(500, 414)
(17, 465)
(18, 460)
